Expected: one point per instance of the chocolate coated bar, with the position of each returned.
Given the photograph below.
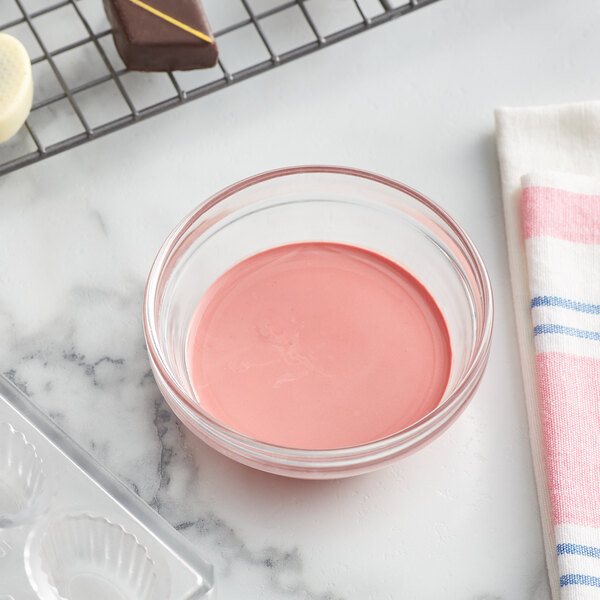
(162, 35)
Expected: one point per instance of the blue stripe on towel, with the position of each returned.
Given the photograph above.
(553, 328)
(577, 579)
(593, 309)
(590, 551)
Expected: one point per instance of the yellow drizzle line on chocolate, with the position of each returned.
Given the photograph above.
(173, 21)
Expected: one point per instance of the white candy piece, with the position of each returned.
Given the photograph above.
(16, 86)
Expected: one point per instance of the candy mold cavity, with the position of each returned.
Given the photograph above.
(24, 486)
(88, 557)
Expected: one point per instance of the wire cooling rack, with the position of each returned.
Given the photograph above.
(83, 90)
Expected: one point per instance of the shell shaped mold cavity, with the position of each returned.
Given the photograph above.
(25, 485)
(88, 557)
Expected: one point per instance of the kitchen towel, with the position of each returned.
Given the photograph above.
(552, 221)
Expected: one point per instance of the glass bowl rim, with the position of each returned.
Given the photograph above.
(456, 400)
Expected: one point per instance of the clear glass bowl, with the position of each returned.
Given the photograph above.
(318, 203)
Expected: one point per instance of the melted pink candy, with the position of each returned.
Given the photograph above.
(318, 345)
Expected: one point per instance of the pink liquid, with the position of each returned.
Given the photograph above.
(318, 345)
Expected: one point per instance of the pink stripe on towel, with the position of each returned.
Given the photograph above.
(570, 404)
(557, 213)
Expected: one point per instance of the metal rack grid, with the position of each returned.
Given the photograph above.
(83, 90)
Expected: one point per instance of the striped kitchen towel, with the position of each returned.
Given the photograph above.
(561, 226)
(552, 222)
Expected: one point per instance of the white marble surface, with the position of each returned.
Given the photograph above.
(412, 100)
